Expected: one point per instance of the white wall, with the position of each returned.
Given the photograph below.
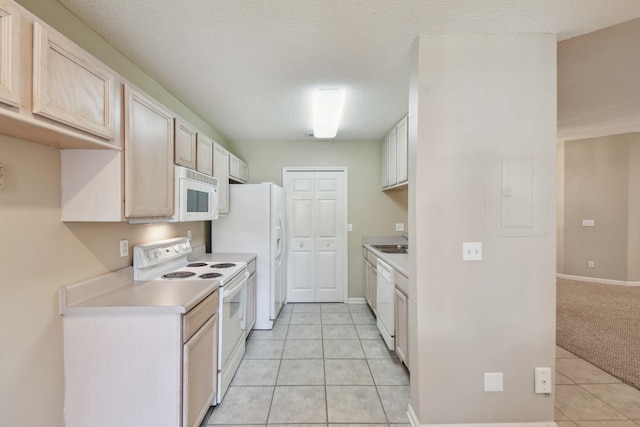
(598, 90)
(471, 93)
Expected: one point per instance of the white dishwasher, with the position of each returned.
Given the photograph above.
(385, 302)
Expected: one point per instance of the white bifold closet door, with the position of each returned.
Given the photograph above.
(317, 234)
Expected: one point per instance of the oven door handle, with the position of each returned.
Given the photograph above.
(231, 292)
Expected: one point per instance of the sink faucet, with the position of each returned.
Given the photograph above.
(405, 240)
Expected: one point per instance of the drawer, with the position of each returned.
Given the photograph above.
(251, 266)
(198, 315)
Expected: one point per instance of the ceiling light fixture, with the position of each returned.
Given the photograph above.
(327, 109)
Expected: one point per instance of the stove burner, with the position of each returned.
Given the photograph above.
(197, 264)
(210, 275)
(223, 265)
(178, 275)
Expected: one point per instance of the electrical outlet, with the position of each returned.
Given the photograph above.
(588, 222)
(124, 248)
(591, 264)
(399, 226)
(1, 177)
(189, 234)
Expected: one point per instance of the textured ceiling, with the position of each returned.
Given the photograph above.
(247, 67)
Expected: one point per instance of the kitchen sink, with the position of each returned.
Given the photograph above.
(391, 249)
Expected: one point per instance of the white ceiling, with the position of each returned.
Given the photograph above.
(247, 67)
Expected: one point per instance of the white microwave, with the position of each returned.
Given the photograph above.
(196, 198)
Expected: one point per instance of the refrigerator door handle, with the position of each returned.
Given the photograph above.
(282, 241)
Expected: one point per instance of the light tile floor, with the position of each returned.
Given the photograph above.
(327, 364)
(320, 364)
(586, 396)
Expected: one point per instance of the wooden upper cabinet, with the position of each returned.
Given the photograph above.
(9, 54)
(148, 156)
(185, 153)
(204, 155)
(70, 86)
(221, 171)
(403, 151)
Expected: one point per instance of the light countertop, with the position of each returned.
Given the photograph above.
(399, 262)
(118, 293)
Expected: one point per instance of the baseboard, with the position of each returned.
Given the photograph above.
(357, 301)
(413, 420)
(597, 280)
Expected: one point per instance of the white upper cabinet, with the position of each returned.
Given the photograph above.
(185, 145)
(395, 161)
(9, 57)
(70, 86)
(204, 155)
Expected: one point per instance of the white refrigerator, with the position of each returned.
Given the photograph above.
(256, 224)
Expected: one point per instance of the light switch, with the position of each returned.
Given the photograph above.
(349, 227)
(472, 251)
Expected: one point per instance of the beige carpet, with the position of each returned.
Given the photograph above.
(601, 324)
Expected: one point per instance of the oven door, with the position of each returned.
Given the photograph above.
(231, 339)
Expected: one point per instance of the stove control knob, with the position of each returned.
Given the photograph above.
(176, 248)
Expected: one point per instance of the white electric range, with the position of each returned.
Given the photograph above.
(167, 260)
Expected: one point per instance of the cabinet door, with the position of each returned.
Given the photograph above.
(244, 171)
(148, 157)
(9, 53)
(403, 151)
(402, 326)
(392, 157)
(204, 155)
(234, 166)
(198, 373)
(70, 86)
(251, 302)
(385, 162)
(185, 143)
(221, 171)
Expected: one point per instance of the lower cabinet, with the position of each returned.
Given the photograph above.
(199, 377)
(402, 326)
(370, 279)
(140, 369)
